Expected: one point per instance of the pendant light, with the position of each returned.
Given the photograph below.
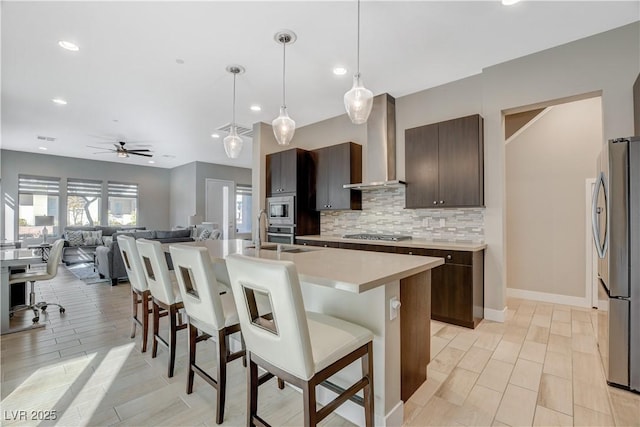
(233, 143)
(359, 100)
(284, 126)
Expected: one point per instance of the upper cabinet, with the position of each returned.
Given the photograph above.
(444, 164)
(338, 165)
(282, 171)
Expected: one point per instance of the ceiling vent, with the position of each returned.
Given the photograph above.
(242, 130)
(45, 138)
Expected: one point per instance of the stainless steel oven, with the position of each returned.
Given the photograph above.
(281, 234)
(281, 210)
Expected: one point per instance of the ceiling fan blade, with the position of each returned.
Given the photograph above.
(100, 148)
(137, 151)
(140, 154)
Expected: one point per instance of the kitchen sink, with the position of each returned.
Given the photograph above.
(287, 249)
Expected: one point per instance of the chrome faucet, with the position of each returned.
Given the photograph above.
(257, 242)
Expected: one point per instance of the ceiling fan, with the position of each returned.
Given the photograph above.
(123, 152)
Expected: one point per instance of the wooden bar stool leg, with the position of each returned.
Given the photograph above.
(173, 329)
(252, 392)
(156, 328)
(134, 312)
(145, 319)
(222, 374)
(367, 371)
(309, 397)
(193, 336)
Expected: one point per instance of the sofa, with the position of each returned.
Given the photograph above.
(109, 261)
(77, 249)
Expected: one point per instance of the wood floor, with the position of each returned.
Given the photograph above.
(538, 368)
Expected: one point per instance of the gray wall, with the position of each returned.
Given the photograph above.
(152, 183)
(606, 63)
(547, 164)
(182, 199)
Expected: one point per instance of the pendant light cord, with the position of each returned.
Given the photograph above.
(233, 120)
(358, 49)
(284, 61)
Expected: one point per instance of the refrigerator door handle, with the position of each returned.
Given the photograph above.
(600, 247)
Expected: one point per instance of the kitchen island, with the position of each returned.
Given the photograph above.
(361, 287)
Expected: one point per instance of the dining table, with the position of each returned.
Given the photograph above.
(13, 258)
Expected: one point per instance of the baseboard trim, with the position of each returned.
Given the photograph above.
(495, 315)
(547, 297)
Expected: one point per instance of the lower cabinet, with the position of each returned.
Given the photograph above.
(457, 286)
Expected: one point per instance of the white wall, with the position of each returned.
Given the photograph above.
(547, 164)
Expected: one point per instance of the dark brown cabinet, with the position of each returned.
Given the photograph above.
(338, 165)
(282, 171)
(457, 287)
(444, 164)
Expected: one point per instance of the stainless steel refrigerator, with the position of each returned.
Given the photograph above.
(616, 229)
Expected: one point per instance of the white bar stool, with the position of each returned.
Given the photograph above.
(302, 348)
(140, 293)
(164, 296)
(209, 311)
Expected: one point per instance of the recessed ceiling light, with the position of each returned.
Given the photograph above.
(68, 45)
(151, 162)
(339, 71)
(215, 135)
(256, 108)
(179, 61)
(59, 101)
(42, 148)
(509, 2)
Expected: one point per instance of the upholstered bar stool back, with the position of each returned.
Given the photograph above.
(199, 288)
(132, 264)
(156, 271)
(283, 341)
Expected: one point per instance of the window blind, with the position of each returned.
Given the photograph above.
(120, 189)
(84, 187)
(29, 184)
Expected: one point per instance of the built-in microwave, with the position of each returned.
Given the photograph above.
(281, 210)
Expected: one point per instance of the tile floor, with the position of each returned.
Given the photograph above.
(541, 367)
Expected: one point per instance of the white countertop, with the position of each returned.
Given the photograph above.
(413, 243)
(348, 270)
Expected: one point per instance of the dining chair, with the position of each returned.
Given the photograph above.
(165, 297)
(303, 348)
(55, 256)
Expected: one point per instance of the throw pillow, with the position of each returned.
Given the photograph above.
(92, 238)
(74, 238)
(205, 234)
(107, 240)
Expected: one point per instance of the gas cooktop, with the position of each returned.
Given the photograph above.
(387, 237)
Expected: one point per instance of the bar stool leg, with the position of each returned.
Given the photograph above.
(145, 319)
(252, 392)
(156, 328)
(309, 397)
(222, 374)
(193, 336)
(173, 329)
(367, 371)
(134, 312)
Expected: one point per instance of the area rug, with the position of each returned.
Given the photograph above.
(86, 272)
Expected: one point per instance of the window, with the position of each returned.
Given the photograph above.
(84, 199)
(123, 203)
(38, 196)
(243, 208)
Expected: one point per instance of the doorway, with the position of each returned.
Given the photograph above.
(220, 206)
(548, 160)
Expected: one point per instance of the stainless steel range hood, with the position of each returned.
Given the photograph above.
(381, 146)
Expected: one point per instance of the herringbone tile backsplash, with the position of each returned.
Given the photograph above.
(383, 212)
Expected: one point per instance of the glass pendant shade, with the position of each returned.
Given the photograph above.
(358, 102)
(283, 127)
(233, 144)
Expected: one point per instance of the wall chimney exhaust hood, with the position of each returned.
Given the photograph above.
(381, 146)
